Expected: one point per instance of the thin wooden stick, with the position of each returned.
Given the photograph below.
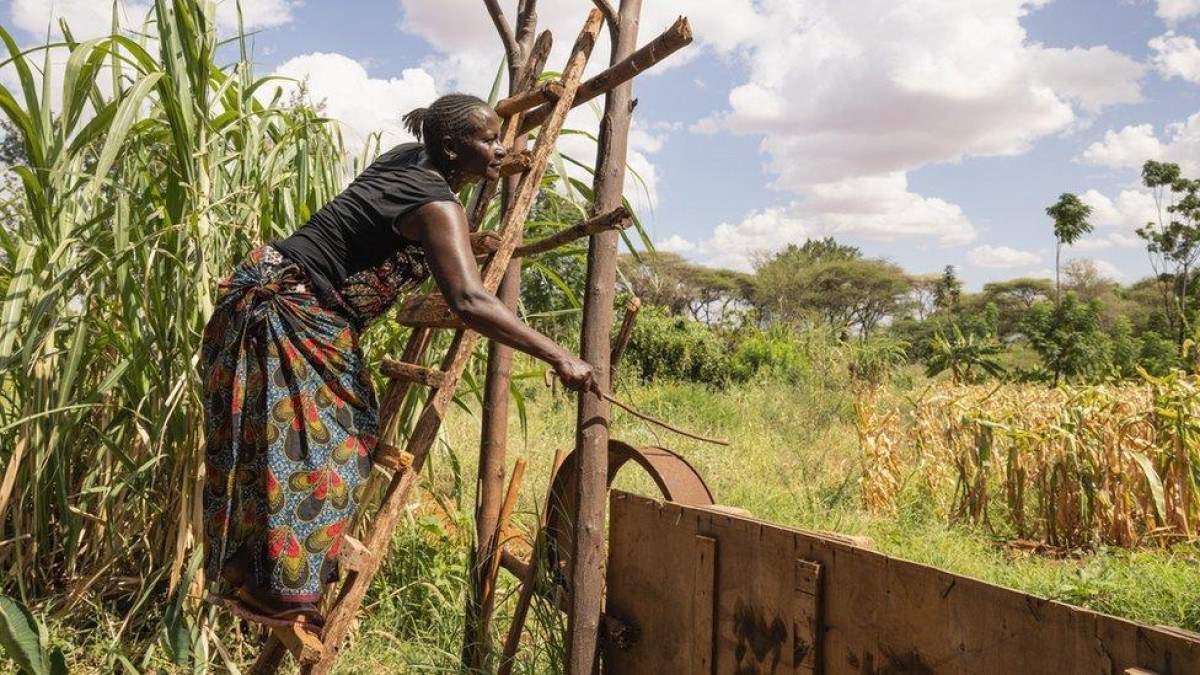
(493, 556)
(632, 309)
(529, 580)
(660, 423)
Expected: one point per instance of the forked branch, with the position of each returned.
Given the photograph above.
(511, 48)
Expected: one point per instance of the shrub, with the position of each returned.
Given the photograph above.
(777, 353)
(676, 348)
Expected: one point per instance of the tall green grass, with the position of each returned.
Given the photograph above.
(154, 174)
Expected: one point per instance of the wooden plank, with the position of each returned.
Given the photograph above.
(587, 551)
(806, 632)
(650, 584)
(704, 605)
(516, 163)
(873, 614)
(616, 219)
(485, 243)
(411, 372)
(353, 555)
(304, 646)
(678, 36)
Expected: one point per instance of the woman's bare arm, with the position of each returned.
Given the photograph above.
(441, 229)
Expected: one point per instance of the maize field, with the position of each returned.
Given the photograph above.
(1073, 466)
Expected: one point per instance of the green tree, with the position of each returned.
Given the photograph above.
(1173, 239)
(1068, 338)
(683, 288)
(948, 291)
(838, 290)
(1012, 300)
(1070, 216)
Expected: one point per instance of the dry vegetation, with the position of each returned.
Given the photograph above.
(1072, 466)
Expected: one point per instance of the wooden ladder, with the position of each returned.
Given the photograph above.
(360, 560)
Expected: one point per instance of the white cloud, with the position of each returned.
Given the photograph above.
(92, 18)
(1130, 147)
(1129, 211)
(1097, 77)
(1002, 257)
(675, 244)
(1176, 56)
(874, 208)
(1177, 10)
(955, 80)
(361, 103)
(848, 97)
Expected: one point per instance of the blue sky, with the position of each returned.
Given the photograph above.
(929, 132)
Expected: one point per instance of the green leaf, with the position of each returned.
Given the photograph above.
(14, 303)
(123, 120)
(23, 637)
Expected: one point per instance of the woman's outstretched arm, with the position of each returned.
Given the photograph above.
(441, 229)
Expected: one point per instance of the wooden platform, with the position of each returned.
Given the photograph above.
(710, 592)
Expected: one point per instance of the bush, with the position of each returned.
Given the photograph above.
(675, 348)
(776, 353)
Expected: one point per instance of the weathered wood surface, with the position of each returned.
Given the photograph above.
(678, 36)
(587, 548)
(876, 615)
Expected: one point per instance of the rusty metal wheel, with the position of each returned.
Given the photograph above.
(677, 481)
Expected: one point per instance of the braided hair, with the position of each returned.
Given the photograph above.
(450, 116)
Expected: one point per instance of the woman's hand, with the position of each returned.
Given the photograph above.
(575, 374)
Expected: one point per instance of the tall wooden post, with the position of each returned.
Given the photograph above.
(494, 432)
(588, 549)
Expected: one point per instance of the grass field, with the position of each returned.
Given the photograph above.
(795, 460)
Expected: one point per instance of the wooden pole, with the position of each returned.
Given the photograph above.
(587, 550)
(525, 62)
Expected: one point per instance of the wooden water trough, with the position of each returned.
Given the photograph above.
(704, 591)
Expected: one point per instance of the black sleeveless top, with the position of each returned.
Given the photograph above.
(356, 261)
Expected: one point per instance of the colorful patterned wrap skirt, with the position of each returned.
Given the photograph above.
(291, 423)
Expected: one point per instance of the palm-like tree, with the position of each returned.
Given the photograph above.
(1070, 216)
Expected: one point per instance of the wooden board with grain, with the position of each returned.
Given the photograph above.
(788, 601)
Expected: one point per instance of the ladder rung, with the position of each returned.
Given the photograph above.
(517, 163)
(354, 555)
(428, 311)
(485, 243)
(304, 646)
(392, 457)
(411, 372)
(617, 219)
(530, 98)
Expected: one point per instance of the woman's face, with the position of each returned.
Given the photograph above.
(480, 152)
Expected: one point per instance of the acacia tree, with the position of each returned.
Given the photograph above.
(1173, 240)
(832, 283)
(1070, 216)
(668, 280)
